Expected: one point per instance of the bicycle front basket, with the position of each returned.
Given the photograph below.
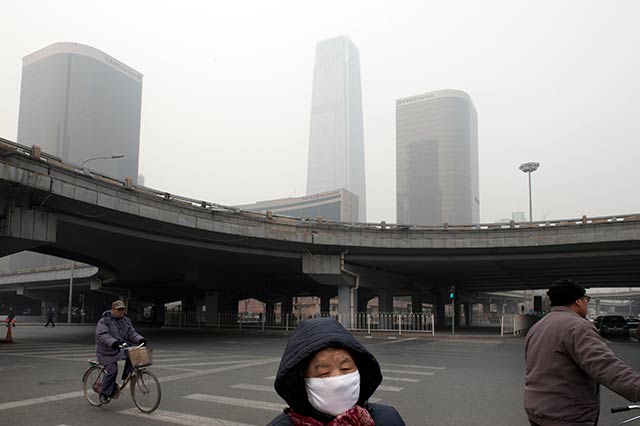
(141, 357)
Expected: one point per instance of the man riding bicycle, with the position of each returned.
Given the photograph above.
(113, 330)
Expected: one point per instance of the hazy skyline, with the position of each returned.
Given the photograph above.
(227, 91)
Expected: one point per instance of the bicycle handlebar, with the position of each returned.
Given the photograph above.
(126, 347)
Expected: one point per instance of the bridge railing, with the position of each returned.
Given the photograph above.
(36, 154)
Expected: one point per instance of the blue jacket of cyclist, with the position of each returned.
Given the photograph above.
(114, 329)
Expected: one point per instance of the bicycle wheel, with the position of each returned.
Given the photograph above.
(92, 384)
(145, 391)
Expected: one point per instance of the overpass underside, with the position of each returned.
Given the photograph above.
(159, 247)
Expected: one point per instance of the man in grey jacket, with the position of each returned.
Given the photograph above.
(114, 329)
(566, 360)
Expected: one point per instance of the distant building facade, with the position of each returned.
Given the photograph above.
(339, 205)
(336, 139)
(437, 159)
(77, 102)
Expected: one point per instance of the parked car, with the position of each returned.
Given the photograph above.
(632, 323)
(612, 324)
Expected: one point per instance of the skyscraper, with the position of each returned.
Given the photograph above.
(336, 140)
(437, 159)
(77, 102)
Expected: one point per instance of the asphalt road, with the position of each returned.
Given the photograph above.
(225, 378)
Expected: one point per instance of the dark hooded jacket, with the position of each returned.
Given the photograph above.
(310, 337)
(109, 330)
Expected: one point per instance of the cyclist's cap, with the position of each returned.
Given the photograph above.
(118, 304)
(564, 292)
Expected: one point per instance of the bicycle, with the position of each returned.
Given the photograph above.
(627, 408)
(145, 386)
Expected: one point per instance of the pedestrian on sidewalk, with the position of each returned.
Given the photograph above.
(566, 361)
(50, 316)
(327, 377)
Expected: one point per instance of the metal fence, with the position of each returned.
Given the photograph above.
(378, 322)
(516, 324)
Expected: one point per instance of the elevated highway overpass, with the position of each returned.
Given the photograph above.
(159, 246)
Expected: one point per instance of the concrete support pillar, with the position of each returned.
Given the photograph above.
(286, 306)
(439, 310)
(269, 308)
(486, 309)
(597, 307)
(416, 303)
(219, 303)
(325, 304)
(468, 311)
(363, 300)
(158, 313)
(344, 305)
(385, 301)
(212, 306)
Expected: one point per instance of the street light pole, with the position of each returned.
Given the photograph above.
(108, 157)
(529, 168)
(73, 265)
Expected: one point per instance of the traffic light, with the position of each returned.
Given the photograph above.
(452, 292)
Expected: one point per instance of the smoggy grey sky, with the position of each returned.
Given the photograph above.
(227, 90)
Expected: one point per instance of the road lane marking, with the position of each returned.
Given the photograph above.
(389, 388)
(181, 418)
(199, 364)
(401, 379)
(240, 402)
(41, 400)
(416, 373)
(414, 366)
(260, 388)
(392, 342)
(197, 373)
(218, 370)
(270, 378)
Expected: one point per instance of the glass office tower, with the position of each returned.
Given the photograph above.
(77, 102)
(437, 159)
(336, 140)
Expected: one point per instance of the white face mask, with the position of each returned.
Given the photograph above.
(333, 395)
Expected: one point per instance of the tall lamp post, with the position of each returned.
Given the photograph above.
(529, 168)
(73, 265)
(108, 157)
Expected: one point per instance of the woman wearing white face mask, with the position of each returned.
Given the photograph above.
(326, 376)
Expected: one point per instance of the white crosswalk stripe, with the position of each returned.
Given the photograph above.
(389, 388)
(417, 373)
(240, 402)
(181, 418)
(400, 379)
(260, 388)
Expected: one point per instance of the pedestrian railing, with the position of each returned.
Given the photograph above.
(371, 323)
(394, 322)
(179, 318)
(516, 325)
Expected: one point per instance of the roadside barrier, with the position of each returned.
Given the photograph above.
(9, 336)
(516, 325)
(371, 323)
